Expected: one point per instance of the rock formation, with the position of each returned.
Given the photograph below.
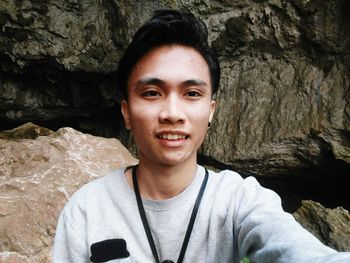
(331, 226)
(284, 103)
(283, 106)
(39, 171)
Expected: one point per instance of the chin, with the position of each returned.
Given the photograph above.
(172, 161)
(169, 158)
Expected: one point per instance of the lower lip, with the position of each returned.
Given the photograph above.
(172, 143)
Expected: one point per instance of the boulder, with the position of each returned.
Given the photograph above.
(39, 171)
(331, 226)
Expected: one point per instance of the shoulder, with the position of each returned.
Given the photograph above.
(92, 193)
(232, 179)
(231, 188)
(228, 179)
(99, 184)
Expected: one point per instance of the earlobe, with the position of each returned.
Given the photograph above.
(125, 111)
(212, 110)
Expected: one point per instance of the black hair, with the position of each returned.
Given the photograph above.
(168, 27)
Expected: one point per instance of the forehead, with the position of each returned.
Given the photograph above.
(173, 63)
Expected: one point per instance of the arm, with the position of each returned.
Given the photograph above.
(265, 233)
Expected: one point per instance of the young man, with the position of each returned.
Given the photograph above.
(168, 208)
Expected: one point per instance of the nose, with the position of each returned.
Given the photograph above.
(172, 110)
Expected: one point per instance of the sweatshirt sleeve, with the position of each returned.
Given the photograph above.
(69, 243)
(267, 234)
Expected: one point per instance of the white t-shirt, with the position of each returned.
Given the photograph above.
(237, 217)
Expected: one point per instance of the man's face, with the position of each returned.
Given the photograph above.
(169, 104)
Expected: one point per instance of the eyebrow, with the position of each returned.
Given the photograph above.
(150, 81)
(195, 82)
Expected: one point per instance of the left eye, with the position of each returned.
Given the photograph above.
(193, 93)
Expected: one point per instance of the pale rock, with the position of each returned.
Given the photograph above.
(38, 176)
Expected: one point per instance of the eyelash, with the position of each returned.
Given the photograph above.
(150, 93)
(193, 93)
(154, 93)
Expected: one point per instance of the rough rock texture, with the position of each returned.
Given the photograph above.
(57, 59)
(284, 103)
(331, 226)
(284, 100)
(74, 34)
(37, 176)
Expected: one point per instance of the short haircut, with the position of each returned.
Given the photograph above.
(168, 27)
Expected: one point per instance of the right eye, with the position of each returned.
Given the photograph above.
(151, 93)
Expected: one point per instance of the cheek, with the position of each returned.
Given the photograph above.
(200, 119)
(203, 113)
(142, 120)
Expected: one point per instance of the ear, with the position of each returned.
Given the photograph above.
(125, 111)
(212, 110)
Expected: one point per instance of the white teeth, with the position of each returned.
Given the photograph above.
(172, 137)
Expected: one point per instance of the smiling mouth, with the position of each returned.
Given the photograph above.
(172, 137)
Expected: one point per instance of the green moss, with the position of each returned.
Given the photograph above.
(26, 131)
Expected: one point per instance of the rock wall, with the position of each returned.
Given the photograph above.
(284, 103)
(283, 106)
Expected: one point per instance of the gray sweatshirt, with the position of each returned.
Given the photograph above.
(236, 218)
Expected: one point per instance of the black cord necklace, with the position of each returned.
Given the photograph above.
(147, 228)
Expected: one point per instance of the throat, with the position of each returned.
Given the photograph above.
(162, 187)
(162, 184)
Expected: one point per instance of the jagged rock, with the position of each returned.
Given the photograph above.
(56, 59)
(76, 35)
(26, 131)
(331, 226)
(283, 106)
(37, 176)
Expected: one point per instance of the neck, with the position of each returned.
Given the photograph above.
(159, 182)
